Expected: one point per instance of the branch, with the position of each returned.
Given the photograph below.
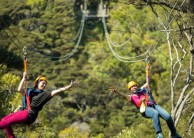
(178, 61)
(178, 113)
(180, 30)
(191, 49)
(181, 97)
(154, 11)
(191, 119)
(168, 5)
(171, 70)
(190, 125)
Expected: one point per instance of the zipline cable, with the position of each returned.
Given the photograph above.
(126, 59)
(119, 45)
(77, 35)
(123, 59)
(74, 50)
(161, 37)
(19, 48)
(12, 33)
(187, 72)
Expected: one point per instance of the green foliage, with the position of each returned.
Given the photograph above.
(48, 29)
(39, 3)
(8, 85)
(127, 133)
(73, 132)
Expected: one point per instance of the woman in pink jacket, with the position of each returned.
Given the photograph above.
(152, 110)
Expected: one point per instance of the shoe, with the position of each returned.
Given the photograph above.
(159, 135)
(176, 136)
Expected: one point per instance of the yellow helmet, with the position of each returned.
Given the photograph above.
(38, 79)
(130, 84)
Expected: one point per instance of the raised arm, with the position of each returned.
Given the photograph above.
(125, 96)
(55, 92)
(21, 87)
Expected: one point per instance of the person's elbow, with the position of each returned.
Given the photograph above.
(19, 89)
(128, 98)
(54, 93)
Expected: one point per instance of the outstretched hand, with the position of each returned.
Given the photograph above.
(114, 90)
(55, 92)
(73, 83)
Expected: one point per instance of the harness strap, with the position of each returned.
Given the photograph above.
(26, 92)
(25, 63)
(28, 101)
(148, 82)
(146, 99)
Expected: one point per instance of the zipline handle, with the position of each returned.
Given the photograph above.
(148, 73)
(147, 81)
(25, 59)
(25, 64)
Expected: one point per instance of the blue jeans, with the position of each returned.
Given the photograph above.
(157, 111)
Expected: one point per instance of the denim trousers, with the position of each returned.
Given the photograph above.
(155, 113)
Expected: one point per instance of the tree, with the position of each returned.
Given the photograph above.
(8, 86)
(179, 23)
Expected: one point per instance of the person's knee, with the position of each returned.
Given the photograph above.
(168, 117)
(3, 124)
(155, 114)
(3, 121)
(6, 122)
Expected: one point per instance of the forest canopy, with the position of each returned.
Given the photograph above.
(102, 44)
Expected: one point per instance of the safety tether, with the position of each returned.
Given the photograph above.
(147, 81)
(25, 87)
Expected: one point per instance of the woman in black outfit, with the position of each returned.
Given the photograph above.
(33, 102)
